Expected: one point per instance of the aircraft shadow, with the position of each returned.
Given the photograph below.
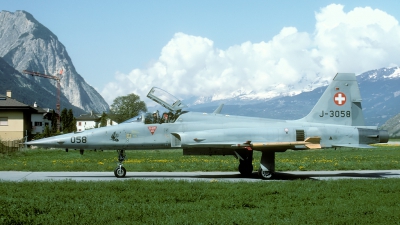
(289, 176)
(278, 176)
(254, 176)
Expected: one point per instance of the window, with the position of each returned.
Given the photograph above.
(80, 124)
(38, 124)
(3, 121)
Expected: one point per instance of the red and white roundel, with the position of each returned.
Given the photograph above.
(339, 98)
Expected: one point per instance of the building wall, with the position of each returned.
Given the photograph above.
(111, 123)
(15, 128)
(85, 125)
(39, 123)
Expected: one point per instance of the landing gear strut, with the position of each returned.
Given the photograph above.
(267, 165)
(245, 162)
(120, 171)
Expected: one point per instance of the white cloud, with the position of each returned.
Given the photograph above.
(354, 41)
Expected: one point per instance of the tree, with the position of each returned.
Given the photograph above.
(68, 121)
(74, 129)
(46, 132)
(103, 120)
(71, 123)
(64, 120)
(53, 122)
(126, 107)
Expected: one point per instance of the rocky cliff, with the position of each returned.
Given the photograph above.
(393, 126)
(26, 44)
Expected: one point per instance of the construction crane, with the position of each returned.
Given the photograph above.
(58, 79)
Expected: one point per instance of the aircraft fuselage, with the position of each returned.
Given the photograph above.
(201, 130)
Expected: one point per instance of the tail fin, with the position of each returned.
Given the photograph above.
(339, 104)
(218, 110)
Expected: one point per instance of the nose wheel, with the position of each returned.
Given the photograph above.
(120, 171)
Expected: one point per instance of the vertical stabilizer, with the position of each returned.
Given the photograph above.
(339, 104)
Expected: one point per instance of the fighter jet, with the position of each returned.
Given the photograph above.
(335, 121)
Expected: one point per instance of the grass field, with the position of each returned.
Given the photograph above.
(179, 202)
(387, 157)
(373, 201)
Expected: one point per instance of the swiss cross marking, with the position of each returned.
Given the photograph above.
(152, 129)
(339, 98)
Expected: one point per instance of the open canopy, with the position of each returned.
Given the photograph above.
(165, 99)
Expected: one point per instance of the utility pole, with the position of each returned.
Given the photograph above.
(58, 79)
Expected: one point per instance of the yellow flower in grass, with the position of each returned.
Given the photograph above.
(161, 160)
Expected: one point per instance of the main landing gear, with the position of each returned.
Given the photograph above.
(267, 164)
(120, 171)
(245, 163)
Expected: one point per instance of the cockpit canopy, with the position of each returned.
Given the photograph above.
(165, 99)
(170, 102)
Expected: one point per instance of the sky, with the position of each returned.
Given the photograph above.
(219, 48)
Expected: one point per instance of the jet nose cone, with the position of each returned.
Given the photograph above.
(46, 142)
(36, 142)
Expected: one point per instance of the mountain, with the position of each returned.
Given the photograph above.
(393, 126)
(380, 90)
(26, 44)
(26, 90)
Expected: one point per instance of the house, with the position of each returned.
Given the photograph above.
(15, 118)
(41, 119)
(18, 120)
(90, 121)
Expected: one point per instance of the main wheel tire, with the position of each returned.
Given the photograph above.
(120, 171)
(265, 175)
(246, 169)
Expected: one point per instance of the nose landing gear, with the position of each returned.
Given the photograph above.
(120, 171)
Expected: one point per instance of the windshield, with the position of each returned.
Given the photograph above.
(155, 117)
(134, 119)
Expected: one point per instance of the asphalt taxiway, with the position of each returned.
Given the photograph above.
(196, 176)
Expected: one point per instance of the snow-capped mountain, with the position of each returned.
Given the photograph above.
(247, 96)
(380, 90)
